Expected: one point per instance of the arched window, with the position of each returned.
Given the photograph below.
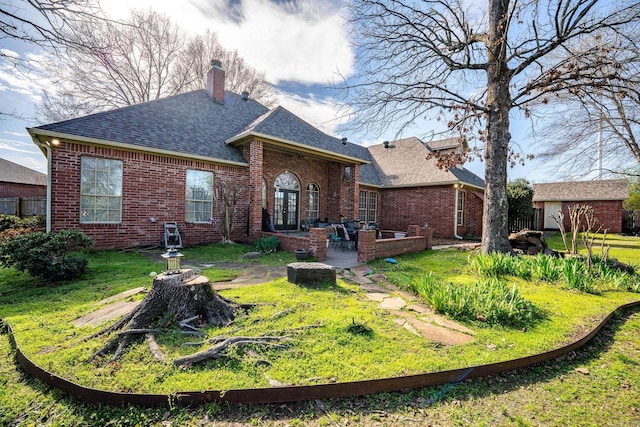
(287, 181)
(313, 197)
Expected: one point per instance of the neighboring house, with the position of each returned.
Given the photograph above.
(119, 175)
(20, 184)
(605, 196)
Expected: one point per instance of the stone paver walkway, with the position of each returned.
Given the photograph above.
(113, 307)
(416, 318)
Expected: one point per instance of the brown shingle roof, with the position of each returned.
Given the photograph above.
(13, 172)
(404, 164)
(575, 191)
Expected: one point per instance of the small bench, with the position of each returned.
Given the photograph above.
(311, 273)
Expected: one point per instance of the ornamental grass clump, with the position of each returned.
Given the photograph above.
(495, 264)
(488, 300)
(576, 276)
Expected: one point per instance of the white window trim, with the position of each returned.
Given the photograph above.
(187, 200)
(101, 196)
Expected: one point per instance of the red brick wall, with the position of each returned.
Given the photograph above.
(327, 175)
(400, 207)
(370, 248)
(12, 189)
(153, 186)
(608, 214)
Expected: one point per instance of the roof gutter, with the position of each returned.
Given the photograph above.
(46, 133)
(248, 134)
(424, 184)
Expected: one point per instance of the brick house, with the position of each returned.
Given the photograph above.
(119, 175)
(605, 196)
(19, 184)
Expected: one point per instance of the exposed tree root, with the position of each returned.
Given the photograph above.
(219, 350)
(154, 348)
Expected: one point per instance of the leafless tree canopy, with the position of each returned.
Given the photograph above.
(597, 128)
(469, 68)
(41, 24)
(145, 58)
(195, 60)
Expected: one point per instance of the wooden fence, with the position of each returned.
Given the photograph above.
(23, 206)
(630, 221)
(531, 222)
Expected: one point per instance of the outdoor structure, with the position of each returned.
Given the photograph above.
(209, 156)
(605, 196)
(22, 190)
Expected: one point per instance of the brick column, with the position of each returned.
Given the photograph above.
(254, 155)
(318, 243)
(413, 231)
(428, 233)
(366, 245)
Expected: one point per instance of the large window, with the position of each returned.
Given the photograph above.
(199, 196)
(100, 190)
(313, 196)
(460, 211)
(368, 206)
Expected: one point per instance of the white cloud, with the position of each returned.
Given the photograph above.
(17, 146)
(303, 41)
(326, 114)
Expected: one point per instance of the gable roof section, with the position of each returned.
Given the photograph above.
(282, 124)
(15, 173)
(577, 191)
(190, 123)
(455, 143)
(405, 164)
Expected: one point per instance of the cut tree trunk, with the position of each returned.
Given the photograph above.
(184, 297)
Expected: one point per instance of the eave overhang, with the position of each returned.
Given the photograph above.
(36, 133)
(292, 146)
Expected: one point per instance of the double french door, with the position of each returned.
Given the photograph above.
(285, 210)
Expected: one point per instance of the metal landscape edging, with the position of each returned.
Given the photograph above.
(299, 393)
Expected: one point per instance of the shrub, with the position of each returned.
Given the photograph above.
(267, 244)
(489, 300)
(48, 256)
(13, 226)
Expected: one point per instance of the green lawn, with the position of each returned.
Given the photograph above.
(42, 316)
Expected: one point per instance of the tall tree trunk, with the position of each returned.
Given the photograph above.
(495, 233)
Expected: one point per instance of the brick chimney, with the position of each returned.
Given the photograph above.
(215, 81)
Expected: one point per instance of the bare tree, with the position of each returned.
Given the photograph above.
(470, 68)
(42, 24)
(195, 60)
(114, 65)
(597, 130)
(145, 58)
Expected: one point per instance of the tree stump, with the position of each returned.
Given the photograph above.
(184, 297)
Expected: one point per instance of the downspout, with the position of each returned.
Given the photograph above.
(49, 153)
(455, 214)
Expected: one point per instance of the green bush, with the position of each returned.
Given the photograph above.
(14, 222)
(267, 244)
(48, 256)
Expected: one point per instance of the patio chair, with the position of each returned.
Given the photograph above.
(341, 236)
